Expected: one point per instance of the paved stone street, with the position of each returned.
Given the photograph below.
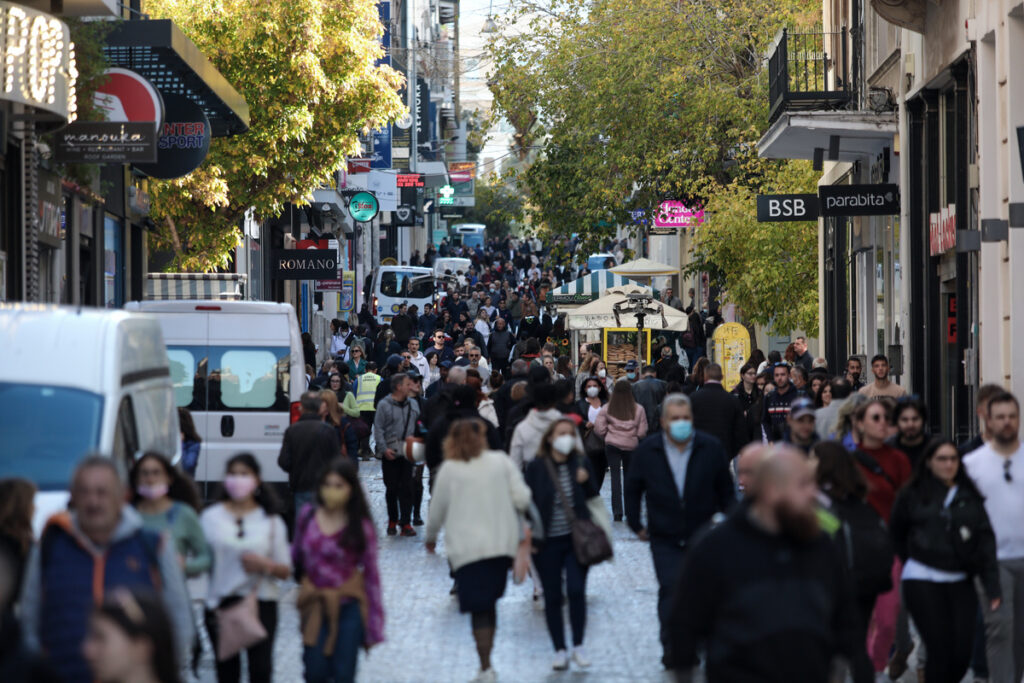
(429, 640)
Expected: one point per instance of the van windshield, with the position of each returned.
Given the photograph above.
(406, 285)
(45, 431)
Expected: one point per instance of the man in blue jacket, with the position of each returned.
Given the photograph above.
(84, 554)
(684, 475)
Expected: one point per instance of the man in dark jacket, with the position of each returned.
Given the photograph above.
(403, 326)
(499, 346)
(776, 404)
(719, 413)
(308, 446)
(684, 476)
(649, 392)
(503, 397)
(746, 584)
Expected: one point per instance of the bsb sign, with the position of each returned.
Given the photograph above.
(778, 208)
(304, 264)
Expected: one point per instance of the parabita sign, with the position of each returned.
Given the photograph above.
(304, 264)
(859, 200)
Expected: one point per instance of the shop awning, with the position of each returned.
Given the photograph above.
(159, 51)
(587, 288)
(909, 14)
(644, 268)
(601, 313)
(173, 286)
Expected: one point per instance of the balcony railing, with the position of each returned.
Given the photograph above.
(805, 74)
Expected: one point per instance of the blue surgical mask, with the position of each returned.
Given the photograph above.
(630, 375)
(680, 430)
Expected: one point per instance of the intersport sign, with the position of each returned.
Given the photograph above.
(859, 200)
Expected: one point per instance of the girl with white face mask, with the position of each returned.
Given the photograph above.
(168, 503)
(593, 397)
(555, 559)
(250, 549)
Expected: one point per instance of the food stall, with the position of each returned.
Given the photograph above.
(626, 333)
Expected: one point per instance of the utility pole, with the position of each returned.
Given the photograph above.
(412, 92)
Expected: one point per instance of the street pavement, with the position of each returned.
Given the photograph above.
(428, 640)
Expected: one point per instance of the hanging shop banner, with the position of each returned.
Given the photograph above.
(39, 61)
(859, 200)
(133, 110)
(942, 231)
(672, 215)
(781, 208)
(422, 112)
(347, 302)
(303, 264)
(363, 207)
(184, 139)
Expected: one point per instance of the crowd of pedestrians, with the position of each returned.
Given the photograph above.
(799, 522)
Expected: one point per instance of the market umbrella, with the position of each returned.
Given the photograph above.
(601, 313)
(644, 268)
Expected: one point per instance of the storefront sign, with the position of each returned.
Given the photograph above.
(675, 214)
(303, 264)
(859, 200)
(127, 96)
(184, 139)
(363, 207)
(359, 166)
(462, 171)
(104, 142)
(942, 230)
(779, 208)
(39, 61)
(405, 215)
(446, 196)
(410, 180)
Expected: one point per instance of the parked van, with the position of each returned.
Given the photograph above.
(397, 285)
(77, 381)
(238, 367)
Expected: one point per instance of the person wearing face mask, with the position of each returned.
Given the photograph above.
(678, 505)
(168, 504)
(600, 370)
(555, 559)
(250, 547)
(335, 558)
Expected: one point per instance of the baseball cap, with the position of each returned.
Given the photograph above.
(632, 365)
(413, 373)
(445, 363)
(394, 360)
(800, 407)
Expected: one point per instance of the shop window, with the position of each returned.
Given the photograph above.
(113, 262)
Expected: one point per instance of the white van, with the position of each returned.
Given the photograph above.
(238, 368)
(76, 381)
(452, 264)
(396, 285)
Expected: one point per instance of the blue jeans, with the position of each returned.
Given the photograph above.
(340, 667)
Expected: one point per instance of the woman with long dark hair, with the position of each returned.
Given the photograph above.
(16, 538)
(478, 498)
(943, 535)
(335, 556)
(250, 545)
(746, 389)
(622, 424)
(555, 559)
(191, 442)
(168, 503)
(593, 397)
(130, 639)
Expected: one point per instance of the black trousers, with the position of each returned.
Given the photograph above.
(417, 491)
(398, 489)
(555, 560)
(944, 614)
(668, 564)
(599, 461)
(261, 661)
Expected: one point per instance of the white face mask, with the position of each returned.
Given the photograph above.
(564, 444)
(593, 392)
(602, 373)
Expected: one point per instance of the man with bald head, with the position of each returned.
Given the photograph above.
(83, 555)
(749, 459)
(765, 592)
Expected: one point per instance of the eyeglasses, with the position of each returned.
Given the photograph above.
(1006, 471)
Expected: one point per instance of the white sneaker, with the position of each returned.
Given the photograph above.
(488, 676)
(561, 662)
(579, 657)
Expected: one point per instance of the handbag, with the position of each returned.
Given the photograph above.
(590, 544)
(592, 442)
(238, 624)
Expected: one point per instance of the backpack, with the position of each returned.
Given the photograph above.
(865, 547)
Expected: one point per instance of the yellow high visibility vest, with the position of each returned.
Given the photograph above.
(366, 390)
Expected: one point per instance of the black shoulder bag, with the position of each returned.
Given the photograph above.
(589, 542)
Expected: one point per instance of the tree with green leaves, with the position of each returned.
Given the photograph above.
(307, 69)
(636, 101)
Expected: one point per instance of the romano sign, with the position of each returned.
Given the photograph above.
(859, 200)
(304, 264)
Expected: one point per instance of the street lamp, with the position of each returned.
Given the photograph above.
(490, 26)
